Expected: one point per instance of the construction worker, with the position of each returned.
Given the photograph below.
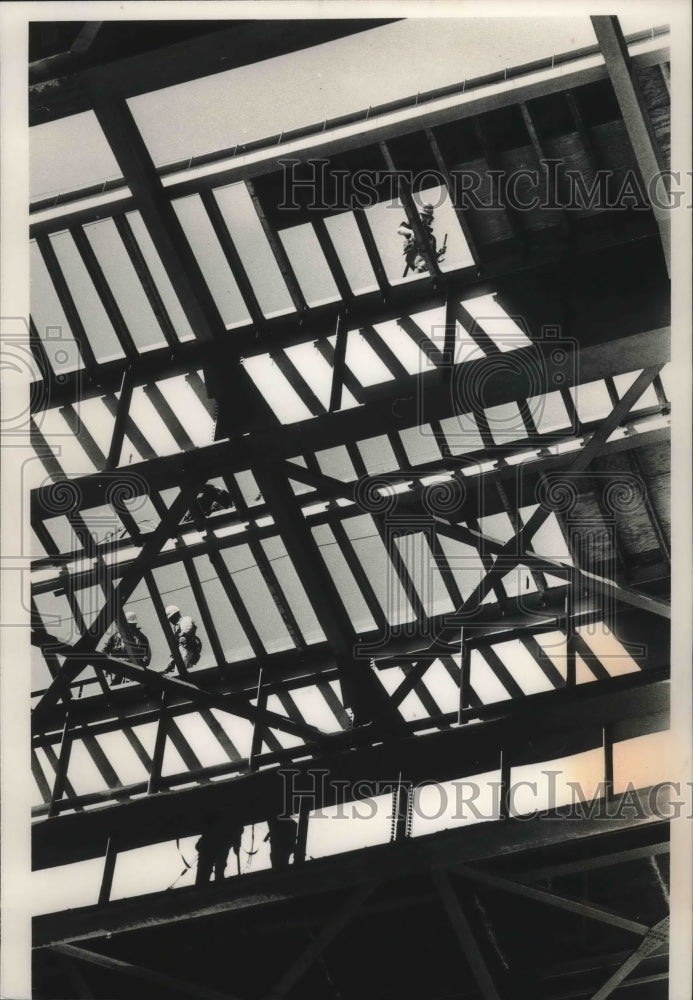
(185, 633)
(220, 835)
(135, 650)
(210, 499)
(282, 837)
(413, 251)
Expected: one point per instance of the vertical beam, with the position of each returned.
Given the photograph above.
(146, 279)
(261, 702)
(358, 683)
(130, 428)
(635, 117)
(233, 258)
(170, 419)
(103, 290)
(348, 379)
(280, 255)
(421, 339)
(333, 262)
(402, 810)
(383, 351)
(465, 936)
(505, 784)
(608, 750)
(83, 437)
(62, 765)
(339, 364)
(141, 176)
(159, 747)
(108, 872)
(372, 251)
(121, 418)
(198, 386)
(302, 832)
(40, 779)
(570, 653)
(68, 304)
(277, 592)
(465, 674)
(297, 382)
(473, 328)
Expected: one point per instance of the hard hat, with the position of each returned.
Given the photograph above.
(131, 617)
(172, 610)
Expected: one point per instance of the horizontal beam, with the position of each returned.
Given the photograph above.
(56, 83)
(535, 728)
(160, 683)
(532, 298)
(388, 408)
(476, 843)
(293, 669)
(575, 906)
(572, 574)
(142, 974)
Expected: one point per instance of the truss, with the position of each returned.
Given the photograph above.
(458, 535)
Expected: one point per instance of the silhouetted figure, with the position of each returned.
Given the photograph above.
(414, 252)
(282, 837)
(220, 835)
(189, 642)
(210, 499)
(135, 650)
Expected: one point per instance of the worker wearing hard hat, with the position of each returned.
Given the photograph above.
(413, 251)
(134, 648)
(185, 634)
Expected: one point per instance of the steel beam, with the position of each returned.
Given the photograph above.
(141, 176)
(465, 936)
(233, 258)
(173, 984)
(575, 906)
(146, 278)
(164, 683)
(280, 255)
(636, 119)
(533, 729)
(85, 646)
(328, 933)
(363, 692)
(368, 307)
(478, 842)
(372, 251)
(518, 544)
(655, 940)
(103, 290)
